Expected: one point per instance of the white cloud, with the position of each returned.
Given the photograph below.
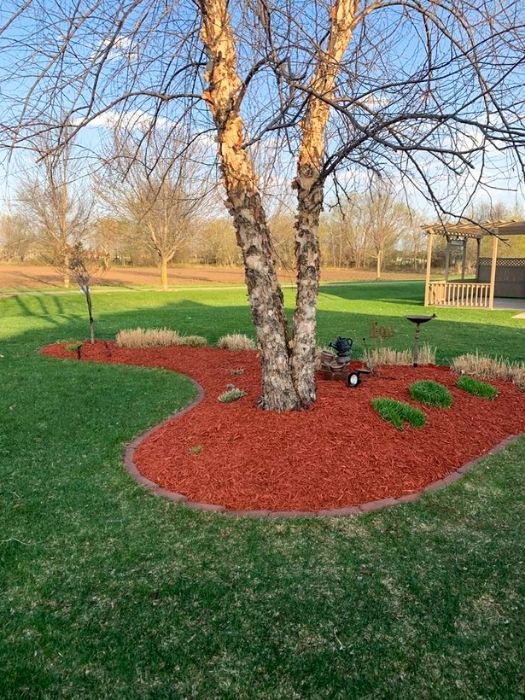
(131, 119)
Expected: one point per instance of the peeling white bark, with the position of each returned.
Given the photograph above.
(310, 192)
(288, 369)
(244, 204)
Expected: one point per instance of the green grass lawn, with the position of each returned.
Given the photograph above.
(109, 592)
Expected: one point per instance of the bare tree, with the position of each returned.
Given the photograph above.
(81, 265)
(421, 89)
(413, 242)
(346, 233)
(17, 241)
(57, 212)
(110, 237)
(387, 220)
(494, 210)
(215, 243)
(162, 196)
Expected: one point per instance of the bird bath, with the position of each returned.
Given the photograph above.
(417, 321)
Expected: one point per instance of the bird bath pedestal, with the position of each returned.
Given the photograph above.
(417, 321)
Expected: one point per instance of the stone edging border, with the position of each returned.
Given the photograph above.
(369, 507)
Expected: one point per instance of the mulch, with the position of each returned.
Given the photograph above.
(337, 453)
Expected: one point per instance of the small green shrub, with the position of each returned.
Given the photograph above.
(232, 393)
(477, 388)
(398, 413)
(431, 393)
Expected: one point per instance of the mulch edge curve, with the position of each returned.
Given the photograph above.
(347, 511)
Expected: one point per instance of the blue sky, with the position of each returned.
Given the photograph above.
(502, 182)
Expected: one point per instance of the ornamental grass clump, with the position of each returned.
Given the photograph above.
(157, 337)
(147, 337)
(232, 393)
(398, 413)
(236, 341)
(490, 368)
(477, 388)
(431, 393)
(194, 341)
(388, 356)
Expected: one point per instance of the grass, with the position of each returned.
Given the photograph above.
(490, 368)
(431, 393)
(398, 413)
(108, 592)
(232, 394)
(474, 386)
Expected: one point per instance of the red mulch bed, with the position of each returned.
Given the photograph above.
(338, 453)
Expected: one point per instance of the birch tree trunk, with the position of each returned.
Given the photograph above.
(288, 373)
(245, 206)
(310, 191)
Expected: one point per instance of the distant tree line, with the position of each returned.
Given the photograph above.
(143, 209)
(152, 223)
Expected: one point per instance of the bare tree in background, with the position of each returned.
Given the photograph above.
(161, 196)
(369, 225)
(414, 243)
(17, 241)
(386, 221)
(398, 88)
(215, 243)
(346, 232)
(58, 214)
(109, 236)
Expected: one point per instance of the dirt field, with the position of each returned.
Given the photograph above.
(26, 277)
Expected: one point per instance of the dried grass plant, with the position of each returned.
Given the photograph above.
(490, 368)
(236, 341)
(156, 337)
(146, 337)
(388, 356)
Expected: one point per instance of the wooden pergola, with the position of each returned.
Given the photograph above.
(478, 293)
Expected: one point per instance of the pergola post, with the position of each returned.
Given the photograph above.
(430, 243)
(493, 263)
(464, 259)
(478, 255)
(447, 258)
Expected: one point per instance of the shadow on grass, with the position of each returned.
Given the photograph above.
(453, 332)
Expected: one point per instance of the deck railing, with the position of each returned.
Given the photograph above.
(475, 294)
